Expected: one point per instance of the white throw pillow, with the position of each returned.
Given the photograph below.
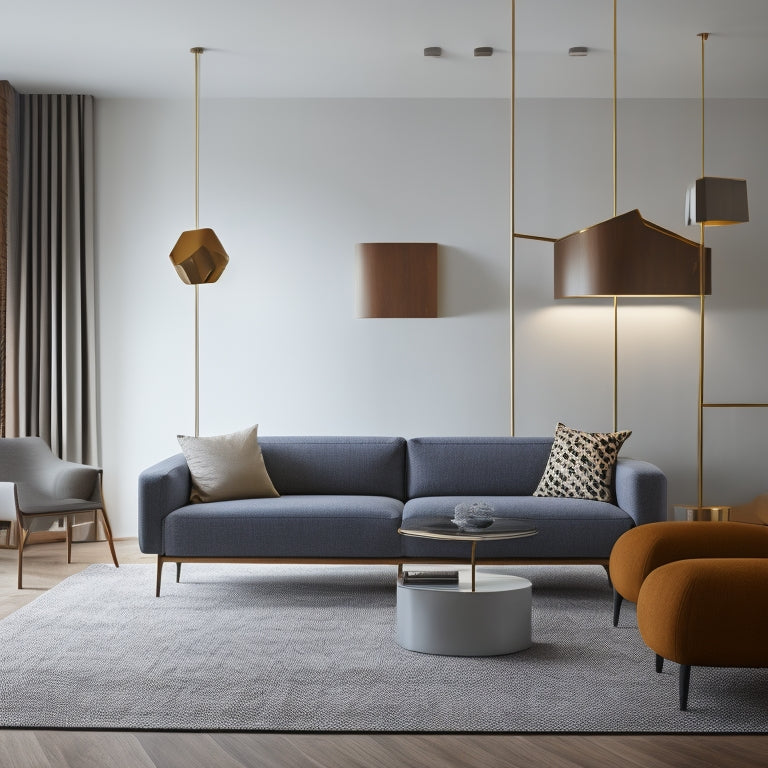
(227, 467)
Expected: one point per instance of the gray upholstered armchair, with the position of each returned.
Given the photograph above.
(46, 486)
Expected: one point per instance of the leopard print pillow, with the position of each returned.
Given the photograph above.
(580, 465)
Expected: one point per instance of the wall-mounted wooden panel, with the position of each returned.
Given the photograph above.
(397, 280)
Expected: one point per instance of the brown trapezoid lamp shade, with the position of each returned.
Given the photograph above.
(628, 256)
(716, 202)
(199, 257)
(397, 280)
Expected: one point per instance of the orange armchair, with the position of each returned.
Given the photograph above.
(706, 612)
(647, 547)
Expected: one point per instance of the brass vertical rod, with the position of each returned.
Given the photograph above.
(197, 52)
(700, 410)
(197, 360)
(615, 196)
(512, 233)
(615, 133)
(702, 302)
(615, 414)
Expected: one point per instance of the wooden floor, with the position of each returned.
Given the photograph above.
(44, 567)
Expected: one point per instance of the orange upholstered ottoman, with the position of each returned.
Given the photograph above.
(646, 547)
(706, 612)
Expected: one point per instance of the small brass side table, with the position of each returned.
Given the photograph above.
(693, 512)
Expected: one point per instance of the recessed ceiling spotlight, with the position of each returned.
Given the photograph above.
(486, 50)
(578, 50)
(434, 50)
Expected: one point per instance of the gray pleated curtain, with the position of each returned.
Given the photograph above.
(50, 335)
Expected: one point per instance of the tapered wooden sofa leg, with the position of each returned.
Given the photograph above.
(659, 662)
(685, 678)
(159, 575)
(178, 572)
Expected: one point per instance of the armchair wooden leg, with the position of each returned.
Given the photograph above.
(178, 572)
(69, 539)
(108, 531)
(22, 538)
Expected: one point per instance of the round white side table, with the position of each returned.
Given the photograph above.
(455, 620)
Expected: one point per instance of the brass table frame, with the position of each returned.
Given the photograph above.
(483, 534)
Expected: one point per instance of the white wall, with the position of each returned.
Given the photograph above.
(291, 186)
(565, 182)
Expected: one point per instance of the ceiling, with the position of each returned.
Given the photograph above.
(374, 48)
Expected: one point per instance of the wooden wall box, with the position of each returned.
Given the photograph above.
(397, 280)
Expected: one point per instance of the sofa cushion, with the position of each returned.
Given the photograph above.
(566, 528)
(345, 526)
(476, 466)
(226, 467)
(363, 466)
(581, 464)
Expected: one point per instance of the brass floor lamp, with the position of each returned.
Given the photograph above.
(710, 201)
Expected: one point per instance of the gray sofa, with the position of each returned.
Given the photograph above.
(342, 499)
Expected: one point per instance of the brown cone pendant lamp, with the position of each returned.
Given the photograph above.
(198, 255)
(625, 255)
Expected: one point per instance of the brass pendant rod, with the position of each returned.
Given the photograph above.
(615, 133)
(512, 232)
(704, 36)
(197, 51)
(615, 195)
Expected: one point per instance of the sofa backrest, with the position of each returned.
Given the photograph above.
(469, 466)
(360, 466)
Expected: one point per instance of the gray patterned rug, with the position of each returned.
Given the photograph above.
(310, 648)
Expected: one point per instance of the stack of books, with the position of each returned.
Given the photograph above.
(430, 577)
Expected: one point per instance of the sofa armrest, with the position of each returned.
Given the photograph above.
(641, 490)
(163, 488)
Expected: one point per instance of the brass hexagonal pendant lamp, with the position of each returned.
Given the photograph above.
(198, 256)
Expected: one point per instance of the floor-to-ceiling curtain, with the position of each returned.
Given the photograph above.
(7, 98)
(50, 363)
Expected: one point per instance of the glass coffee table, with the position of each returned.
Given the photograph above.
(443, 528)
(487, 614)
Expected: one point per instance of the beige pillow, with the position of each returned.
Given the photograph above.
(227, 467)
